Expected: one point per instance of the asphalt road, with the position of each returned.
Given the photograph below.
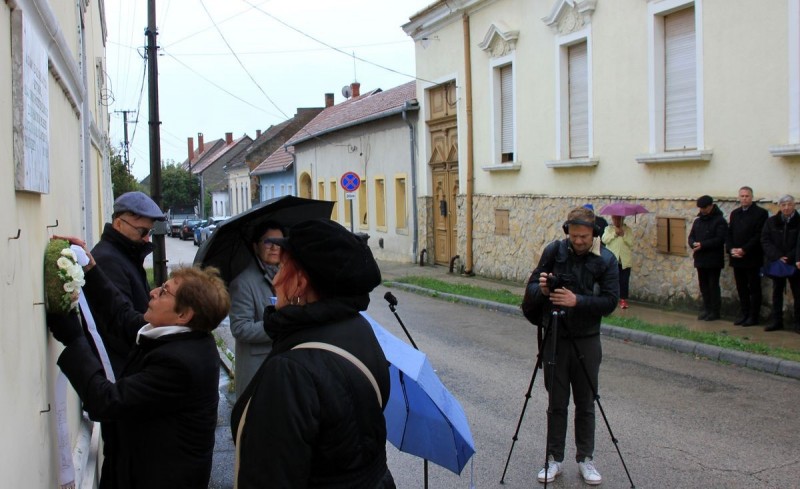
(681, 421)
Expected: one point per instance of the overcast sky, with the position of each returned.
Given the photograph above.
(204, 88)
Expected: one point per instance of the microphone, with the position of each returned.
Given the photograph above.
(391, 299)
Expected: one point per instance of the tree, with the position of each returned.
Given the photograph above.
(121, 180)
(179, 187)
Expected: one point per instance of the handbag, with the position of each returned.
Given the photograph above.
(778, 269)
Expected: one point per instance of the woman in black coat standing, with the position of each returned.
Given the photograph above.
(312, 416)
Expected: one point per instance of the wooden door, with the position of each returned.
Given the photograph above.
(443, 164)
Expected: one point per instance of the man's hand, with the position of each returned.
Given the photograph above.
(563, 298)
(696, 245)
(784, 259)
(65, 328)
(543, 284)
(737, 252)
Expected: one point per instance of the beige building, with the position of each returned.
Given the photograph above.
(56, 178)
(532, 108)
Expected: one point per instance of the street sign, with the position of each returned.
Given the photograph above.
(350, 196)
(350, 181)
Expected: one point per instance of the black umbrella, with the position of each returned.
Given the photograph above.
(229, 248)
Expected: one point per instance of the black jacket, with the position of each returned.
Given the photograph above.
(744, 231)
(122, 262)
(779, 239)
(313, 418)
(710, 231)
(160, 416)
(596, 283)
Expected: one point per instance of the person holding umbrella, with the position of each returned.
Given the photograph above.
(250, 294)
(618, 238)
(313, 414)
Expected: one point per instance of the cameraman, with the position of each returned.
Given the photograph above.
(584, 278)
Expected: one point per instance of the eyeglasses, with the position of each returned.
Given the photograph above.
(269, 244)
(142, 230)
(162, 291)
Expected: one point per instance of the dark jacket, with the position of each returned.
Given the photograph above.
(160, 416)
(779, 239)
(313, 419)
(710, 231)
(744, 231)
(122, 262)
(595, 282)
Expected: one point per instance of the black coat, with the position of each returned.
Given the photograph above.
(122, 262)
(779, 239)
(744, 231)
(160, 416)
(710, 231)
(596, 283)
(313, 418)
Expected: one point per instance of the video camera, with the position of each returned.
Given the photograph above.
(560, 280)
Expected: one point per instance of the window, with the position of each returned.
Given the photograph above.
(283, 190)
(272, 191)
(400, 213)
(503, 110)
(321, 190)
(675, 36)
(380, 203)
(363, 205)
(289, 189)
(671, 235)
(332, 197)
(793, 148)
(578, 101)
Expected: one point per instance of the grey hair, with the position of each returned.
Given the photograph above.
(785, 198)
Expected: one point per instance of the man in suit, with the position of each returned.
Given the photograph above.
(743, 245)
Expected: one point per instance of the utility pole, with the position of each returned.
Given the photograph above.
(159, 251)
(126, 143)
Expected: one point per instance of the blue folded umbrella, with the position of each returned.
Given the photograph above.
(778, 269)
(422, 417)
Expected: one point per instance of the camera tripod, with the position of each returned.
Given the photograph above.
(551, 331)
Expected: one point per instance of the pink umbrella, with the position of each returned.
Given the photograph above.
(623, 209)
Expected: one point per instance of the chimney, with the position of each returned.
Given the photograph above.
(228, 137)
(200, 146)
(328, 100)
(258, 133)
(355, 87)
(190, 143)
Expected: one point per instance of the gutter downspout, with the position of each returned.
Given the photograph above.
(470, 177)
(294, 169)
(413, 142)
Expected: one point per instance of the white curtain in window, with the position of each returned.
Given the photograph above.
(506, 110)
(680, 84)
(578, 101)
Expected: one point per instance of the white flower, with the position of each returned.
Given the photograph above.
(64, 263)
(69, 254)
(75, 272)
(69, 287)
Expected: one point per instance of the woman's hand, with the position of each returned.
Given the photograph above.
(79, 242)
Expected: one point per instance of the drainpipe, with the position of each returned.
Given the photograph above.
(413, 142)
(294, 170)
(470, 178)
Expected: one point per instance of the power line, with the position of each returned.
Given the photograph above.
(291, 51)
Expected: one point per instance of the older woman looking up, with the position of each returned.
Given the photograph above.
(250, 294)
(313, 414)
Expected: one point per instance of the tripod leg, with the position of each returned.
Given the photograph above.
(596, 396)
(525, 404)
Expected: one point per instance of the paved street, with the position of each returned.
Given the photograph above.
(681, 421)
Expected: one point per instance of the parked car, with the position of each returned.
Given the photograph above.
(196, 231)
(208, 230)
(187, 228)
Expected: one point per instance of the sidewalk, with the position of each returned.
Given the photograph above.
(648, 313)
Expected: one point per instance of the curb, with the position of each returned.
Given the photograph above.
(778, 366)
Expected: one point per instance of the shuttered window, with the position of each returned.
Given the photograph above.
(506, 113)
(671, 235)
(680, 83)
(578, 101)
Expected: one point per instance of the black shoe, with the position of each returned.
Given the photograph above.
(702, 316)
(741, 321)
(712, 317)
(750, 322)
(773, 327)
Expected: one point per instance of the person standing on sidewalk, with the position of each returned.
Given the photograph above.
(780, 243)
(591, 292)
(746, 256)
(250, 294)
(121, 251)
(619, 239)
(707, 241)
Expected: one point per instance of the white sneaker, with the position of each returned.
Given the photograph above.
(589, 473)
(550, 473)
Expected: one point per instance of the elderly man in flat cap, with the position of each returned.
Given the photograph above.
(121, 252)
(707, 241)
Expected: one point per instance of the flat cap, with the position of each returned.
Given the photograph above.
(704, 201)
(338, 262)
(140, 204)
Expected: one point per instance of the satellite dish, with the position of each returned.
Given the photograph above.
(347, 91)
